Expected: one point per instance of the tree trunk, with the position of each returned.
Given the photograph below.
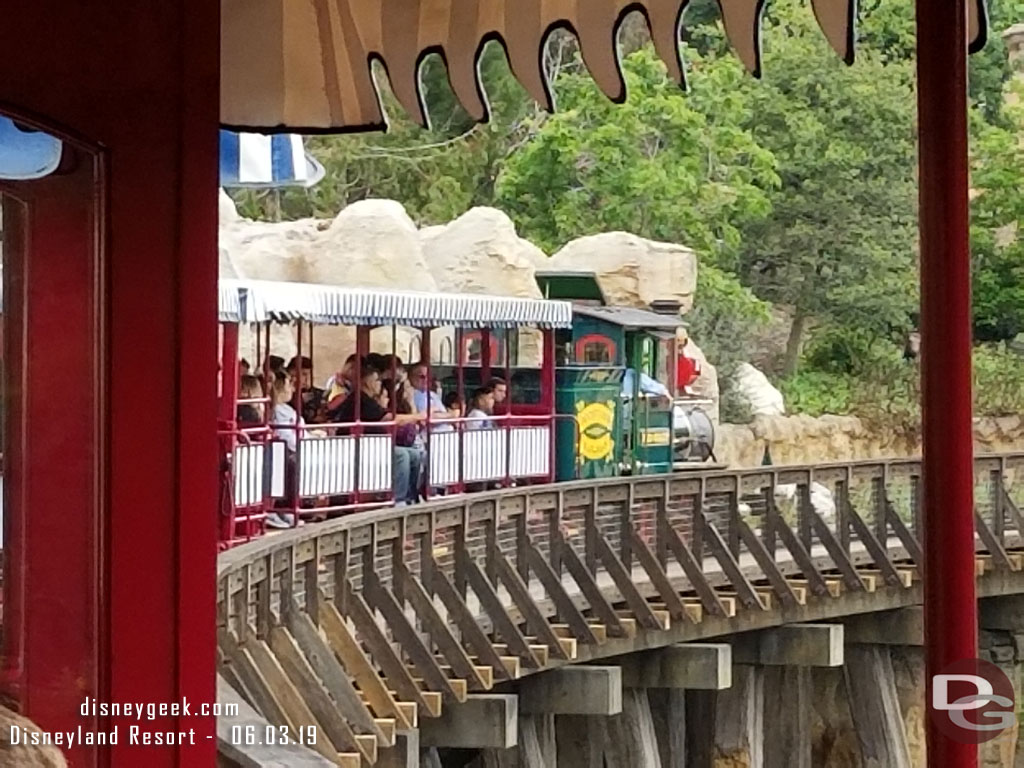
(795, 343)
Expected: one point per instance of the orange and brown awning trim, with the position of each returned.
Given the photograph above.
(305, 65)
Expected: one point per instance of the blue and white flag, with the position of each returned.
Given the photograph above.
(26, 154)
(255, 160)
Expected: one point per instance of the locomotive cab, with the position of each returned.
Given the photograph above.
(622, 375)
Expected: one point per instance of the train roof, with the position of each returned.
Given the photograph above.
(630, 317)
(252, 301)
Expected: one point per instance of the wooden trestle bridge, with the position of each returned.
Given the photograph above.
(444, 624)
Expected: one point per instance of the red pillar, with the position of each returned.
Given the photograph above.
(112, 470)
(948, 474)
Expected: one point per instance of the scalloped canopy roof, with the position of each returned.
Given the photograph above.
(305, 65)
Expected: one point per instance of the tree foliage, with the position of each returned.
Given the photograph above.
(839, 243)
(666, 167)
(997, 225)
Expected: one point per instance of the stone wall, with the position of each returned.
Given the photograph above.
(808, 440)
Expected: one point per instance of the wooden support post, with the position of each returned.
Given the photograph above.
(579, 741)
(631, 737)
(668, 707)
(787, 717)
(739, 723)
(483, 721)
(573, 690)
(875, 708)
(536, 747)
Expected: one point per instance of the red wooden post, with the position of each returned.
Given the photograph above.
(115, 501)
(948, 474)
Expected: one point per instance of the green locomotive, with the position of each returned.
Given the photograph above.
(618, 375)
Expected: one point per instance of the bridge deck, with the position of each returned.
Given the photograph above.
(368, 624)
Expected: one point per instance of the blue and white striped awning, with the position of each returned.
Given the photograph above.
(26, 154)
(256, 160)
(253, 301)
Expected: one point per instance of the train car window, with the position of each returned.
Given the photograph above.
(596, 352)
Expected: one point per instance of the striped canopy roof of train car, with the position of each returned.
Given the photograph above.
(253, 301)
(306, 65)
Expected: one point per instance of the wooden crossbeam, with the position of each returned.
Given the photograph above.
(330, 672)
(874, 547)
(451, 649)
(503, 624)
(801, 557)
(464, 619)
(694, 571)
(624, 583)
(566, 608)
(377, 643)
(527, 606)
(649, 562)
(409, 639)
(328, 717)
(995, 549)
(745, 590)
(781, 588)
(294, 707)
(599, 605)
(835, 550)
(904, 534)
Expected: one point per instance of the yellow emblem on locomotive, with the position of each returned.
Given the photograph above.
(597, 423)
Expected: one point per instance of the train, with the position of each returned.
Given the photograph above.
(593, 390)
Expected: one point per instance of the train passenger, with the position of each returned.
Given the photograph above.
(454, 404)
(406, 462)
(282, 415)
(339, 387)
(313, 401)
(243, 367)
(249, 414)
(500, 387)
(423, 399)
(275, 364)
(481, 406)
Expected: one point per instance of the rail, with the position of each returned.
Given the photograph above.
(400, 612)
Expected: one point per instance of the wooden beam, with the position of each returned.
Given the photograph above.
(739, 719)
(482, 721)
(599, 605)
(875, 707)
(404, 754)
(580, 741)
(787, 717)
(357, 664)
(903, 626)
(802, 645)
(697, 666)
(631, 739)
(257, 755)
(668, 707)
(573, 690)
(1002, 613)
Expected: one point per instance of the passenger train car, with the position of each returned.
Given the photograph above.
(554, 424)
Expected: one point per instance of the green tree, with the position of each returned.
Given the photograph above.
(663, 165)
(997, 225)
(839, 244)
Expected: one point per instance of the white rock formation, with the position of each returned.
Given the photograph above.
(480, 252)
(753, 387)
(633, 271)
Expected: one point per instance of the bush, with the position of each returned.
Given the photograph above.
(998, 381)
(885, 389)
